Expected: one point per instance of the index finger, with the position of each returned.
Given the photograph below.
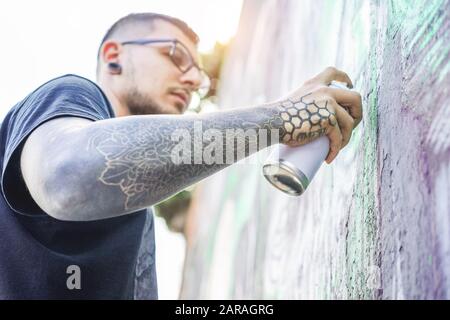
(330, 74)
(350, 100)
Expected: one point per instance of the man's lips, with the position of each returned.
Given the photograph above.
(182, 95)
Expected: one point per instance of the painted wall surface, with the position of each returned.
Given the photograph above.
(375, 224)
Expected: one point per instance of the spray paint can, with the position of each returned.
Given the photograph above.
(291, 169)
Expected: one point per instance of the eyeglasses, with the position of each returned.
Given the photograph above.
(182, 59)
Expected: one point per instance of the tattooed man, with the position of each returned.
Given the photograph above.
(82, 163)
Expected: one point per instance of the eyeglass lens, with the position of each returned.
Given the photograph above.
(183, 60)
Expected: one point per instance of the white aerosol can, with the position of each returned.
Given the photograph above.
(291, 169)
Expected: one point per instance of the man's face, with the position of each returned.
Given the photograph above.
(152, 82)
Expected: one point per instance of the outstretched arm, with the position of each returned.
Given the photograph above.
(81, 170)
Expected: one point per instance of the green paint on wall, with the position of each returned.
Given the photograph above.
(362, 224)
(419, 20)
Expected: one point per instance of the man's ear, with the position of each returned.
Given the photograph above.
(110, 52)
(110, 55)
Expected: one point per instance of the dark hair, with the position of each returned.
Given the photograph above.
(147, 18)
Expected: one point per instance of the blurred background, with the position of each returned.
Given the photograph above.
(373, 225)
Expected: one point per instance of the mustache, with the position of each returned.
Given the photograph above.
(185, 93)
(188, 91)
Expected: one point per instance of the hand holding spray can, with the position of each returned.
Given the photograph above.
(291, 169)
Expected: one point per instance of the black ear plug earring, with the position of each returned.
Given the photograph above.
(115, 68)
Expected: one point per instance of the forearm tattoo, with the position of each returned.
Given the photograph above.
(136, 151)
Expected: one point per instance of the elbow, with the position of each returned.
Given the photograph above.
(61, 193)
(52, 206)
(55, 198)
(54, 210)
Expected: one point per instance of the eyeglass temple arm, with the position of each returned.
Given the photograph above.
(148, 41)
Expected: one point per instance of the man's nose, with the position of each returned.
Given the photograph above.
(193, 77)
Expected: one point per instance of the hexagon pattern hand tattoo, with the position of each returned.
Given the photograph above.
(304, 120)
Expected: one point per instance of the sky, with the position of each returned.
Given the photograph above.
(44, 39)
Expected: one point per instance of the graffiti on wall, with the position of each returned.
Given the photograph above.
(376, 222)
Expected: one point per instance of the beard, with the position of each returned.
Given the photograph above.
(141, 104)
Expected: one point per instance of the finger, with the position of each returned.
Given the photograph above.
(345, 121)
(330, 74)
(335, 136)
(349, 100)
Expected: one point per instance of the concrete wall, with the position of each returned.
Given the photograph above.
(374, 224)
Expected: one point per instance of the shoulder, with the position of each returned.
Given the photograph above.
(70, 83)
(70, 80)
(69, 93)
